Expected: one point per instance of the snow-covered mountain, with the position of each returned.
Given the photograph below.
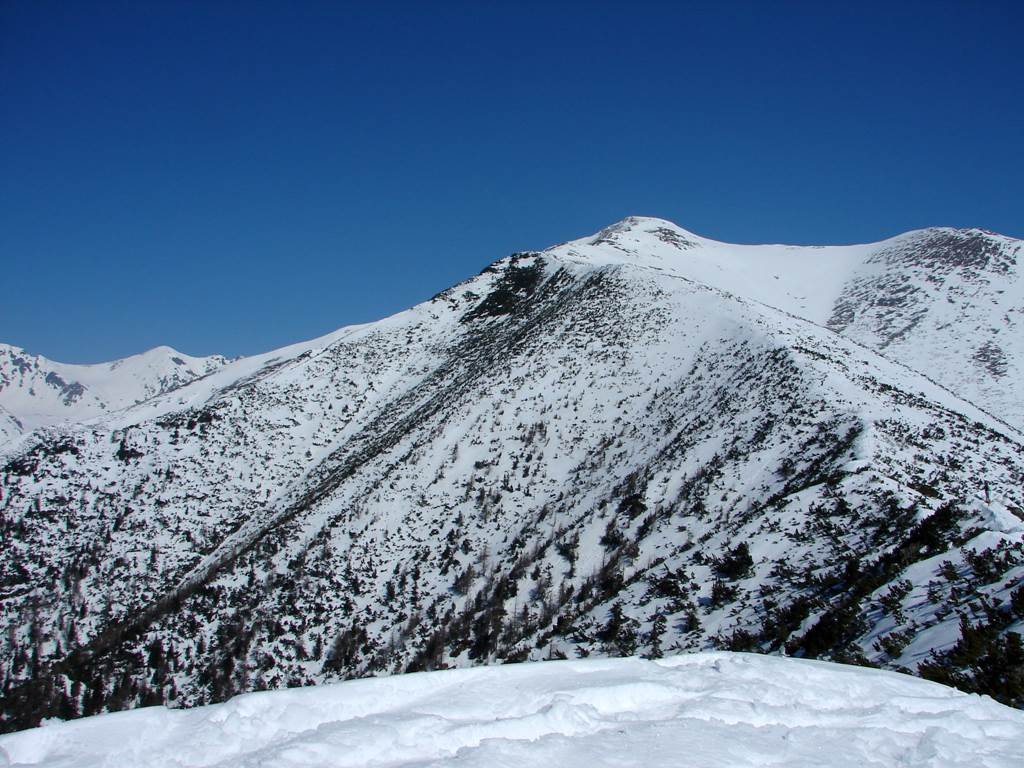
(702, 710)
(943, 301)
(36, 392)
(637, 442)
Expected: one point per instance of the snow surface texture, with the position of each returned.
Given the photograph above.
(625, 444)
(706, 710)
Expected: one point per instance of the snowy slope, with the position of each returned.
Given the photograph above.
(10, 427)
(946, 302)
(600, 449)
(702, 710)
(38, 392)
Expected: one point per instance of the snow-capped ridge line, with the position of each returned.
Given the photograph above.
(41, 392)
(160, 351)
(650, 224)
(805, 281)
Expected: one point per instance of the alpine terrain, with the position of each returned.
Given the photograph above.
(642, 442)
(36, 392)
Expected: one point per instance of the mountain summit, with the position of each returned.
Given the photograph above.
(639, 442)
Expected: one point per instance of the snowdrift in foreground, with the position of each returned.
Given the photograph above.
(705, 709)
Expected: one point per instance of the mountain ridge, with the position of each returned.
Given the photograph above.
(39, 392)
(988, 355)
(559, 456)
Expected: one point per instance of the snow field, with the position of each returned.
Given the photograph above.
(706, 709)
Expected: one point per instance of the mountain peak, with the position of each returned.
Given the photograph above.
(634, 227)
(635, 234)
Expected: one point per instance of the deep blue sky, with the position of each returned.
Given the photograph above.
(231, 177)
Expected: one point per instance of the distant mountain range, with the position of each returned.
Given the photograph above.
(36, 392)
(641, 441)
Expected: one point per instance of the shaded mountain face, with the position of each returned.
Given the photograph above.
(637, 442)
(36, 392)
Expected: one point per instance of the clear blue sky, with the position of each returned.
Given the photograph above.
(231, 177)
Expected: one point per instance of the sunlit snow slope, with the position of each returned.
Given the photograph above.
(946, 302)
(702, 710)
(637, 442)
